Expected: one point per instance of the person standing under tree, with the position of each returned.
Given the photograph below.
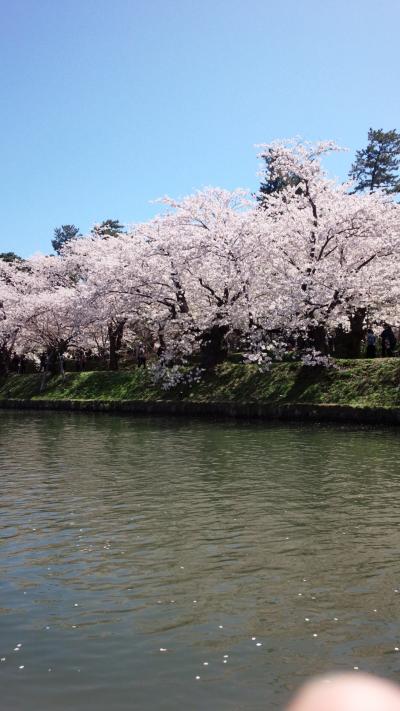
(371, 344)
(42, 362)
(388, 341)
(22, 364)
(141, 357)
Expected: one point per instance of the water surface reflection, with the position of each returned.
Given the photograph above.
(254, 555)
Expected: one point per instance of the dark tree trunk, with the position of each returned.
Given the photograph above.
(5, 357)
(357, 331)
(52, 361)
(115, 334)
(213, 348)
(317, 338)
(348, 344)
(55, 358)
(161, 340)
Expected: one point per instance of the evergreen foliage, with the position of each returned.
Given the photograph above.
(275, 180)
(10, 257)
(377, 165)
(108, 228)
(62, 235)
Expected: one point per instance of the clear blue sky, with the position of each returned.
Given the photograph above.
(108, 104)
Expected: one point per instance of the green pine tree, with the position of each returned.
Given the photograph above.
(62, 235)
(377, 165)
(275, 180)
(108, 228)
(10, 257)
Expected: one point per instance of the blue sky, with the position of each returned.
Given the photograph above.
(109, 104)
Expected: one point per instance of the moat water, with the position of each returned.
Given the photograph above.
(170, 563)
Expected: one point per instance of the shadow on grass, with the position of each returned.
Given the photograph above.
(362, 382)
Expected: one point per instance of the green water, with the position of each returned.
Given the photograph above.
(121, 537)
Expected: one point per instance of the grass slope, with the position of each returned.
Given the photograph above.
(373, 383)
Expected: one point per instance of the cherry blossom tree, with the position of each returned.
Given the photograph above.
(15, 283)
(207, 248)
(334, 253)
(218, 269)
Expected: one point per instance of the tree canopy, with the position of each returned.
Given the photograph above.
(10, 257)
(108, 228)
(274, 179)
(377, 166)
(214, 273)
(62, 235)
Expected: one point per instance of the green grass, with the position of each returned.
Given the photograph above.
(374, 383)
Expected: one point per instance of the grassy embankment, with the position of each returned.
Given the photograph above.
(358, 383)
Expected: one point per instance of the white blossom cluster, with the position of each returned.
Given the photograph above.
(314, 358)
(169, 377)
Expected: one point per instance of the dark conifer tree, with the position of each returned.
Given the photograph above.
(62, 235)
(10, 257)
(108, 228)
(274, 180)
(377, 165)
